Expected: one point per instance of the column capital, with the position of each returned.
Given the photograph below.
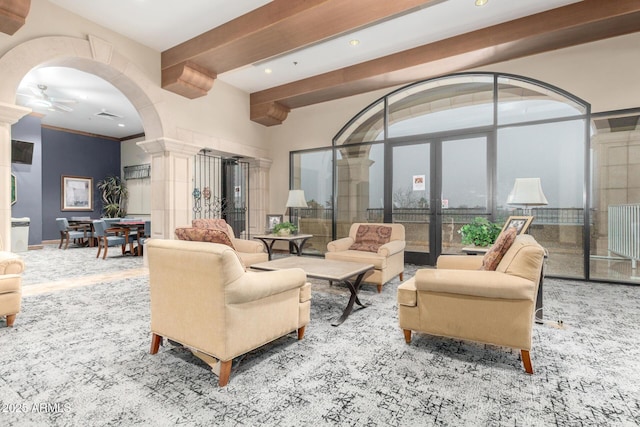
(261, 163)
(162, 145)
(10, 113)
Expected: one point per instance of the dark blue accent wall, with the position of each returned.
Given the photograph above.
(73, 154)
(57, 153)
(29, 178)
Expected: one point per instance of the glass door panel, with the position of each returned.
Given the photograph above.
(464, 188)
(411, 192)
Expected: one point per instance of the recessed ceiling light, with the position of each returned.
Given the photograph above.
(354, 42)
(268, 71)
(481, 2)
(121, 125)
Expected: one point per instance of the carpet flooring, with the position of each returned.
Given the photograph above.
(80, 357)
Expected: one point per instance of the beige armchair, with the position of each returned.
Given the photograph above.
(387, 258)
(11, 268)
(460, 301)
(202, 297)
(250, 251)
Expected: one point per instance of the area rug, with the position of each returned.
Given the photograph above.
(81, 357)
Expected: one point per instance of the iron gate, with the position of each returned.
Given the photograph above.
(220, 190)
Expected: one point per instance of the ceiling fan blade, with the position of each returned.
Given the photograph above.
(64, 101)
(62, 107)
(37, 92)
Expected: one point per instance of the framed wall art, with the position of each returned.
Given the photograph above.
(76, 193)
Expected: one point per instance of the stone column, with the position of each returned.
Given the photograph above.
(259, 170)
(9, 114)
(172, 164)
(353, 184)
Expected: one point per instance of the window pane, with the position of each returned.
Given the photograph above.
(553, 152)
(366, 127)
(615, 147)
(360, 184)
(312, 173)
(520, 101)
(459, 102)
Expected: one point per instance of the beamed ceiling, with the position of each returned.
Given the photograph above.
(281, 27)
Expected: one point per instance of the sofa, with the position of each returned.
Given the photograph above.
(460, 300)
(202, 298)
(372, 243)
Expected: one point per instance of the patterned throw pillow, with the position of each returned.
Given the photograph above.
(215, 223)
(504, 241)
(369, 238)
(204, 235)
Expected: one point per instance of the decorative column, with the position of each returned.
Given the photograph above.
(259, 171)
(9, 114)
(353, 185)
(172, 164)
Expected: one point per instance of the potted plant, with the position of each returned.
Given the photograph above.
(285, 229)
(114, 197)
(480, 232)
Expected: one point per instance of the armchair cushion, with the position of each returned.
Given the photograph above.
(211, 235)
(370, 237)
(494, 255)
(10, 263)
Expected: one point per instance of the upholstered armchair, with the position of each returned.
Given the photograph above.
(379, 244)
(80, 232)
(11, 268)
(459, 300)
(250, 251)
(202, 298)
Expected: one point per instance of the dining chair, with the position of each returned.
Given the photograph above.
(110, 237)
(80, 232)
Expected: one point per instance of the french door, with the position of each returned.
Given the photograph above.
(432, 192)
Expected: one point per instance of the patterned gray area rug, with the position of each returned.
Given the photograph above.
(81, 357)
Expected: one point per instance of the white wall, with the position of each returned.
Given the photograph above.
(139, 189)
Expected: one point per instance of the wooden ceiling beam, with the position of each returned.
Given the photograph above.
(582, 22)
(276, 28)
(13, 15)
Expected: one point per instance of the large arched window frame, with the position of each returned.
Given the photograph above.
(525, 127)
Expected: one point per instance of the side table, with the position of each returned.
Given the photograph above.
(296, 241)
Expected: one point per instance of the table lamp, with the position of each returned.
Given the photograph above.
(296, 200)
(527, 192)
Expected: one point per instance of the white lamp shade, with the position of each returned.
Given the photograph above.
(527, 192)
(296, 199)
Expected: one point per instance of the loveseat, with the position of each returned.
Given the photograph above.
(459, 300)
(372, 243)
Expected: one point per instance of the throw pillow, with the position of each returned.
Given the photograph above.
(204, 235)
(215, 223)
(494, 255)
(369, 238)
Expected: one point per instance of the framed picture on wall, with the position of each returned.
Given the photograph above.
(521, 223)
(272, 221)
(76, 193)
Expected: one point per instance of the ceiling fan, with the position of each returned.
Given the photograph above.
(40, 98)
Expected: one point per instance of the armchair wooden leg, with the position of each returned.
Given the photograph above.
(402, 276)
(526, 361)
(156, 340)
(301, 332)
(379, 288)
(225, 373)
(10, 319)
(407, 335)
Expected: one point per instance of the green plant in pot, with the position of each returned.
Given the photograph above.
(285, 229)
(114, 197)
(480, 232)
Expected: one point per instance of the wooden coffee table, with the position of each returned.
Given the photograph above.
(350, 273)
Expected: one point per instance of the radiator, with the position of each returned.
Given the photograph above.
(624, 232)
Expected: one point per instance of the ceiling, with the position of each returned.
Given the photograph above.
(163, 26)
